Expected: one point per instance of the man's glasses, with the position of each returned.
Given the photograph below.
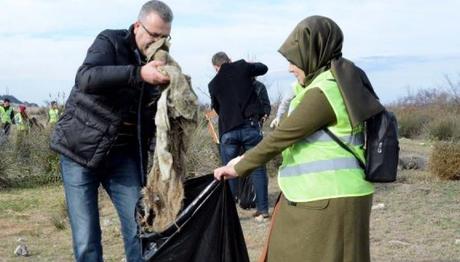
(155, 36)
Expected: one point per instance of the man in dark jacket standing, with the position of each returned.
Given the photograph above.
(234, 99)
(107, 125)
(264, 101)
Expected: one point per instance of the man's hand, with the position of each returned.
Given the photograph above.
(151, 74)
(275, 122)
(225, 172)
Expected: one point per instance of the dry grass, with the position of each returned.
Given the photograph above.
(445, 160)
(59, 217)
(31, 214)
(418, 223)
(28, 162)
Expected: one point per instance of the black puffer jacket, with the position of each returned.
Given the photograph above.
(108, 91)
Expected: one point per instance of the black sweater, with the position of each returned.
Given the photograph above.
(233, 96)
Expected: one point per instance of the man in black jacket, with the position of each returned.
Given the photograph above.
(234, 99)
(264, 101)
(104, 132)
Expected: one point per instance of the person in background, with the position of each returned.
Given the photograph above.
(106, 128)
(324, 210)
(234, 99)
(6, 116)
(284, 105)
(53, 113)
(21, 120)
(264, 100)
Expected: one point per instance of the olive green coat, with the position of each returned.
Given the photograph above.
(326, 230)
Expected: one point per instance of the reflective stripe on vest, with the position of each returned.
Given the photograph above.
(317, 167)
(322, 136)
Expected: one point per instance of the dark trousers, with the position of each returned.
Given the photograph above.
(237, 141)
(6, 128)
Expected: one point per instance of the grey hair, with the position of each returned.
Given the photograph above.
(220, 58)
(159, 8)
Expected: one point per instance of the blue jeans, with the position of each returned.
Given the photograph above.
(120, 177)
(234, 143)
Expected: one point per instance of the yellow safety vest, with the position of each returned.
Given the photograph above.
(316, 167)
(20, 123)
(54, 115)
(5, 115)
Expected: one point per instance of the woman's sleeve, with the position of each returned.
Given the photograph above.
(313, 113)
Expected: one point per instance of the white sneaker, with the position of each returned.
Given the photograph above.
(262, 217)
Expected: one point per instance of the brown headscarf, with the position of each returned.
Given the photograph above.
(315, 45)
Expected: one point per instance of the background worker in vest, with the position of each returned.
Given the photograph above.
(6, 116)
(21, 120)
(234, 99)
(53, 113)
(323, 213)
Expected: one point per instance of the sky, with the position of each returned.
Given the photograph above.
(402, 45)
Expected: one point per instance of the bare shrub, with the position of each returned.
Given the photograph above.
(27, 161)
(203, 155)
(425, 97)
(428, 114)
(4, 164)
(7, 163)
(445, 160)
(444, 128)
(411, 123)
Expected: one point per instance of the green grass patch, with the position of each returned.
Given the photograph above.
(18, 204)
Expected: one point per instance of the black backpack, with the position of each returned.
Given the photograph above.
(381, 147)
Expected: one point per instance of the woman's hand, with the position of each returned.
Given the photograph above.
(225, 172)
(235, 160)
(228, 171)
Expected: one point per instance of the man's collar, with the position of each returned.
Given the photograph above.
(131, 38)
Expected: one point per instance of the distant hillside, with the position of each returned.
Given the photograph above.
(14, 100)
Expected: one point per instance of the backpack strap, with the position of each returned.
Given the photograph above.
(344, 146)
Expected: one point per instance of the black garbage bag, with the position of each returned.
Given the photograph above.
(207, 229)
(246, 193)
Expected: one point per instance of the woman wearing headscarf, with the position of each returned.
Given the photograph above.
(324, 209)
(21, 119)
